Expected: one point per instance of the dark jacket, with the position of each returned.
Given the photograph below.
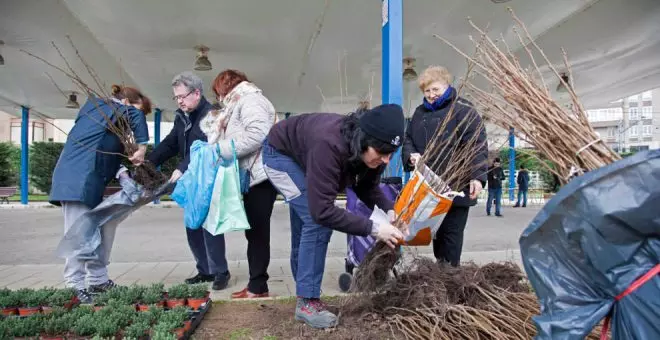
(84, 167)
(523, 180)
(495, 177)
(185, 131)
(314, 141)
(424, 124)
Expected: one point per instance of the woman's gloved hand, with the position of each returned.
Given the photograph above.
(387, 233)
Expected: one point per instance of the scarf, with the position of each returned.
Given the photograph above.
(215, 122)
(440, 102)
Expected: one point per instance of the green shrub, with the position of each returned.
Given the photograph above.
(198, 291)
(136, 330)
(58, 325)
(10, 300)
(179, 291)
(60, 297)
(85, 325)
(107, 327)
(43, 158)
(28, 327)
(8, 166)
(175, 316)
(151, 297)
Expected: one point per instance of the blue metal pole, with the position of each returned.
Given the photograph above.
(157, 118)
(512, 164)
(25, 123)
(392, 66)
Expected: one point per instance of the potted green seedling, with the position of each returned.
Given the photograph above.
(151, 298)
(137, 330)
(164, 327)
(9, 302)
(176, 295)
(85, 326)
(64, 298)
(28, 327)
(56, 327)
(101, 300)
(32, 302)
(107, 328)
(133, 294)
(198, 295)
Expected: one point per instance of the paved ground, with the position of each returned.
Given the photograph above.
(151, 246)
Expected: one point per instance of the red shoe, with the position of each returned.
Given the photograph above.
(245, 294)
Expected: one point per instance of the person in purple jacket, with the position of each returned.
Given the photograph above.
(310, 158)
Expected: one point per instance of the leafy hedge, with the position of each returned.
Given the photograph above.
(9, 164)
(42, 161)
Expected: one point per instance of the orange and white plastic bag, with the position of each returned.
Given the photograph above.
(422, 204)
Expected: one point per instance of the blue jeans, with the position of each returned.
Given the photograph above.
(494, 194)
(307, 237)
(523, 194)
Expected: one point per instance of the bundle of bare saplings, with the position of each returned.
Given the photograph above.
(117, 122)
(429, 300)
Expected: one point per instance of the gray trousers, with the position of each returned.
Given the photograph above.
(95, 271)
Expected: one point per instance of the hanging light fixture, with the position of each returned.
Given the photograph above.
(202, 62)
(409, 73)
(560, 86)
(2, 60)
(72, 103)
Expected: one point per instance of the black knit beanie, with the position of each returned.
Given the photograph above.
(385, 123)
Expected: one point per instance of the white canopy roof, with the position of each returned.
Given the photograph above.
(294, 49)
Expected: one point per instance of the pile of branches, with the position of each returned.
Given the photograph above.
(518, 97)
(117, 122)
(428, 300)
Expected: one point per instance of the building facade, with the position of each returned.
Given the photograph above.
(629, 124)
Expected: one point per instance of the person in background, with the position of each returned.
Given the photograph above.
(208, 250)
(310, 159)
(495, 177)
(439, 95)
(88, 163)
(523, 186)
(247, 117)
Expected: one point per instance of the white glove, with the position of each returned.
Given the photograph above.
(414, 158)
(386, 233)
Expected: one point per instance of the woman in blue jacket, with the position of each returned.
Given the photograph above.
(89, 161)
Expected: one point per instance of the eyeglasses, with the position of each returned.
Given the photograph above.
(180, 97)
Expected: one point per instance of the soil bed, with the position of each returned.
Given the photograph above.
(271, 320)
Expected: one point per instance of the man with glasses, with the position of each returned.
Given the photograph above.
(208, 250)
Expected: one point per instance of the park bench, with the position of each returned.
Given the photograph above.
(6, 192)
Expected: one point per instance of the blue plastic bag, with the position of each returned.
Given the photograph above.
(584, 250)
(194, 189)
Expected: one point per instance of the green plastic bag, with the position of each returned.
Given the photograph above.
(227, 212)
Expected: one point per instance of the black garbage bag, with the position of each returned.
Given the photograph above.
(585, 250)
(84, 236)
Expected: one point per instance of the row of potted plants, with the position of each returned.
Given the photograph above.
(27, 301)
(143, 297)
(115, 321)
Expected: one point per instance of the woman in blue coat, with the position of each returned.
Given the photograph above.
(89, 161)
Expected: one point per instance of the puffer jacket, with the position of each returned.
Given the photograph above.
(249, 123)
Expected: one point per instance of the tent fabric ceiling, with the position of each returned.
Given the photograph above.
(298, 51)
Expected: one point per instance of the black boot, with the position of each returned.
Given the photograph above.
(199, 278)
(221, 281)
